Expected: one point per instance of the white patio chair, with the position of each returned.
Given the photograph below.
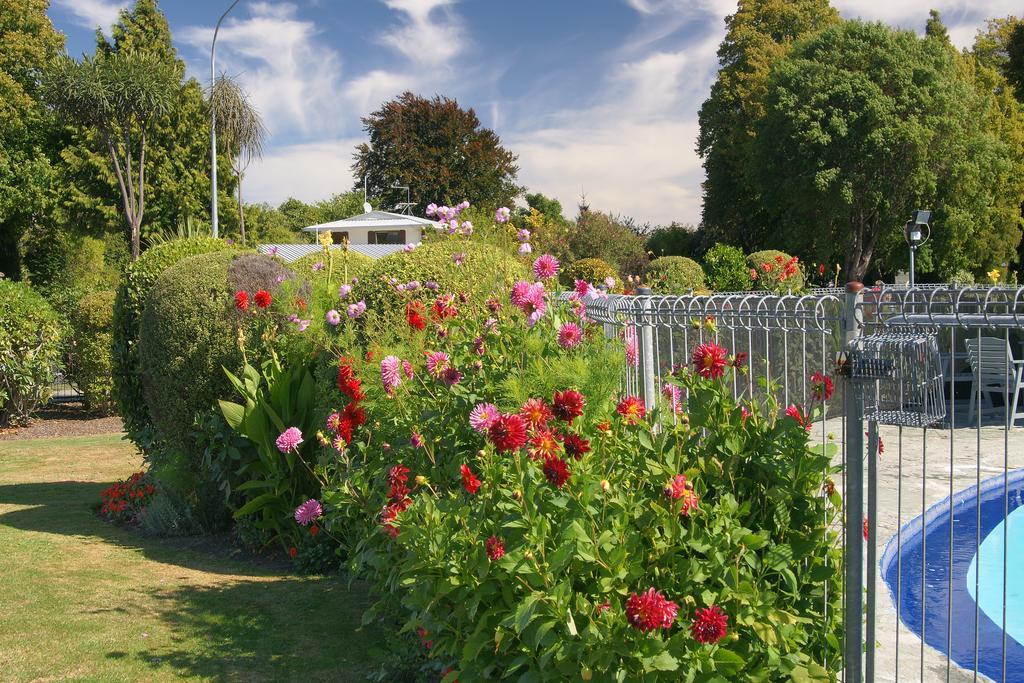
(995, 371)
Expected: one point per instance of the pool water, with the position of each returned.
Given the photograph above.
(929, 535)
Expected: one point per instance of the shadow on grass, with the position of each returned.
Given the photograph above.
(66, 507)
(284, 629)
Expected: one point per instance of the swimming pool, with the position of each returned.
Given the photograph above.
(930, 534)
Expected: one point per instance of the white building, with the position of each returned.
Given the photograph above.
(375, 227)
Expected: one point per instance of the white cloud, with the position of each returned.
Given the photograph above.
(431, 34)
(93, 13)
(292, 77)
(962, 17)
(308, 171)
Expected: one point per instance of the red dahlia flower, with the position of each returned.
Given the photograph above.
(709, 625)
(508, 433)
(469, 480)
(557, 471)
(576, 446)
(293, 551)
(262, 298)
(799, 416)
(739, 360)
(567, 405)
(241, 300)
(544, 444)
(536, 412)
(650, 611)
(355, 414)
(414, 315)
(495, 548)
(822, 386)
(709, 360)
(678, 488)
(631, 409)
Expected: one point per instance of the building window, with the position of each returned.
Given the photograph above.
(339, 237)
(387, 237)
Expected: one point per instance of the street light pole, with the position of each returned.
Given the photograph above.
(213, 124)
(916, 232)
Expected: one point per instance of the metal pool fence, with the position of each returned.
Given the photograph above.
(926, 380)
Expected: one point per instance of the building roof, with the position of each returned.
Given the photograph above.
(293, 252)
(373, 219)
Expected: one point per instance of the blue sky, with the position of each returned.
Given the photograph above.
(593, 95)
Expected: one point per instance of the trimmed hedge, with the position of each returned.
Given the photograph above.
(129, 303)
(592, 270)
(90, 367)
(29, 351)
(483, 269)
(776, 259)
(726, 269)
(674, 275)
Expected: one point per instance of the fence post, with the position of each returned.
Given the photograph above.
(853, 495)
(646, 340)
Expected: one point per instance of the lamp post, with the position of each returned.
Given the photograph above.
(213, 124)
(916, 232)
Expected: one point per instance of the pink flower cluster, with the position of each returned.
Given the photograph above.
(531, 299)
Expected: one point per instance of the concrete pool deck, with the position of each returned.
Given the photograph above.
(975, 454)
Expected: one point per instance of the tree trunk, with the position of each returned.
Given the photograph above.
(241, 209)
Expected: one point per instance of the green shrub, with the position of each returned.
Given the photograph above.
(673, 240)
(90, 367)
(592, 270)
(726, 269)
(484, 268)
(674, 275)
(129, 303)
(29, 351)
(777, 271)
(346, 263)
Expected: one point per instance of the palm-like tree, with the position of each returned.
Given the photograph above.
(240, 131)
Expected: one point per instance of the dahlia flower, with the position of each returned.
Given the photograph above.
(390, 374)
(632, 410)
(525, 249)
(502, 215)
(650, 611)
(545, 267)
(483, 416)
(262, 298)
(451, 376)
(344, 291)
(709, 625)
(569, 336)
(416, 440)
(495, 548)
(536, 412)
(241, 300)
(308, 511)
(289, 440)
(632, 350)
(557, 471)
(575, 446)
(674, 396)
(357, 309)
(822, 386)
(437, 363)
(469, 480)
(333, 317)
(508, 433)
(709, 360)
(567, 405)
(544, 444)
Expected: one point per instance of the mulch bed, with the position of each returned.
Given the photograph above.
(63, 421)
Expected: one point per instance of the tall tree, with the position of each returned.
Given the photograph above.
(120, 95)
(28, 134)
(758, 34)
(1001, 46)
(436, 148)
(867, 124)
(240, 131)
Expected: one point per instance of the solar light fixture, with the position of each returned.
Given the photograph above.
(916, 232)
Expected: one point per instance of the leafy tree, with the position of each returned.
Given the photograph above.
(1001, 46)
(600, 235)
(121, 95)
(673, 240)
(28, 134)
(240, 131)
(758, 34)
(871, 123)
(549, 206)
(934, 28)
(437, 149)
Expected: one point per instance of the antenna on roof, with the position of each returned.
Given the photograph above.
(406, 206)
(366, 205)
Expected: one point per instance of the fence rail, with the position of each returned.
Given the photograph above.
(906, 356)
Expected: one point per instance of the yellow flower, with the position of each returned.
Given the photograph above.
(325, 239)
(993, 275)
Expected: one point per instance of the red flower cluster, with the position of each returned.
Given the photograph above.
(576, 446)
(495, 548)
(125, 499)
(797, 414)
(414, 315)
(444, 308)
(822, 386)
(567, 405)
(398, 499)
(632, 410)
(508, 433)
(348, 383)
(469, 480)
(678, 488)
(650, 611)
(557, 471)
(709, 625)
(353, 416)
(262, 299)
(710, 360)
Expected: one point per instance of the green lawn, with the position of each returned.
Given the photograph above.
(81, 599)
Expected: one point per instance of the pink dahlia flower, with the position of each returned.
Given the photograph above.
(569, 336)
(437, 363)
(483, 416)
(390, 373)
(289, 440)
(306, 513)
(545, 267)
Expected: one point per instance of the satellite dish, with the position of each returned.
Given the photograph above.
(366, 207)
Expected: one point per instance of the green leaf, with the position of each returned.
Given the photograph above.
(255, 504)
(525, 612)
(728, 662)
(233, 413)
(663, 661)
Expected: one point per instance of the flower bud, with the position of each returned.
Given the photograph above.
(421, 480)
(517, 495)
(605, 486)
(528, 555)
(586, 674)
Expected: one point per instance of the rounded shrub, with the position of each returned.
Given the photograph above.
(29, 351)
(593, 270)
(346, 263)
(674, 275)
(725, 267)
(129, 303)
(483, 269)
(91, 338)
(776, 270)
